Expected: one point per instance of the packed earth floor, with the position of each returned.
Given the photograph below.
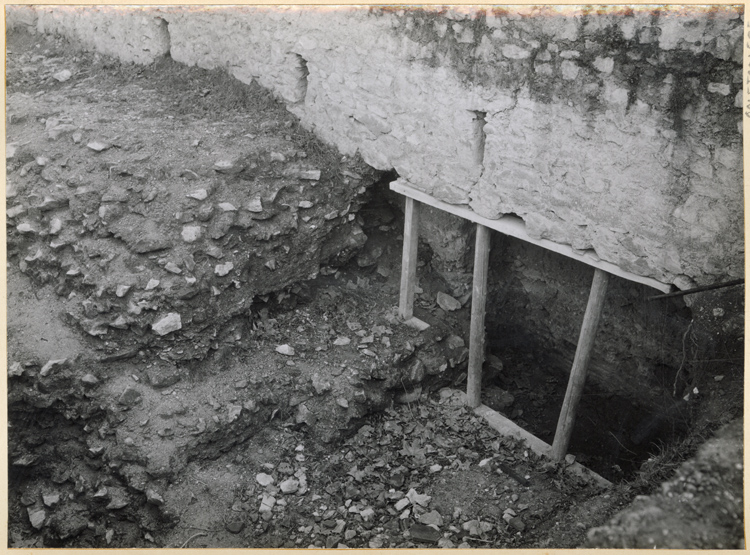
(308, 416)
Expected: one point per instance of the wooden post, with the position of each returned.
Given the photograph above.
(580, 365)
(409, 259)
(478, 301)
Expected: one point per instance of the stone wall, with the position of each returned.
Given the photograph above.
(612, 129)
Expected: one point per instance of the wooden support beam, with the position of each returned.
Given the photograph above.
(478, 302)
(409, 259)
(516, 227)
(580, 365)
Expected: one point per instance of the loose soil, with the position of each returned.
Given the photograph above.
(313, 418)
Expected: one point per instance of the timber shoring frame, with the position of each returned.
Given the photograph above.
(515, 227)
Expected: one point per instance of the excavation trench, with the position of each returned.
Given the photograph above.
(204, 346)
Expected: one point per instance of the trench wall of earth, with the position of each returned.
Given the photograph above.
(610, 129)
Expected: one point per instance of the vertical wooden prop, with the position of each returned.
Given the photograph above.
(409, 259)
(478, 301)
(580, 365)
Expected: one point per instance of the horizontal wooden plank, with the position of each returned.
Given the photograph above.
(516, 227)
(508, 428)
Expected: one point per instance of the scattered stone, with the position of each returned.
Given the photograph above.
(47, 368)
(320, 385)
(171, 322)
(122, 290)
(342, 341)
(130, 397)
(191, 233)
(55, 226)
(162, 376)
(517, 523)
(173, 268)
(447, 303)
(425, 534)
(285, 350)
(433, 518)
(37, 518)
(200, 194)
(62, 76)
(305, 204)
(99, 146)
(402, 503)
(16, 369)
(720, 88)
(227, 207)
(435, 468)
(255, 205)
(235, 526)
(267, 503)
(369, 353)
(223, 269)
(153, 497)
(230, 167)
(15, 211)
(310, 175)
(570, 459)
(51, 499)
(264, 479)
(455, 342)
(89, 380)
(342, 402)
(418, 498)
(289, 485)
(152, 284)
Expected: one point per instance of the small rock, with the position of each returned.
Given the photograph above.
(267, 503)
(305, 204)
(55, 226)
(255, 205)
(173, 268)
(342, 341)
(153, 497)
(227, 207)
(89, 380)
(37, 518)
(418, 498)
(402, 503)
(171, 322)
(191, 233)
(447, 303)
(342, 402)
(311, 175)
(285, 350)
(152, 284)
(432, 518)
(228, 166)
(16, 369)
(517, 523)
(425, 534)
(62, 76)
(47, 368)
(289, 486)
(223, 269)
(200, 194)
(99, 146)
(570, 459)
(130, 397)
(51, 499)
(122, 290)
(235, 526)
(264, 479)
(369, 353)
